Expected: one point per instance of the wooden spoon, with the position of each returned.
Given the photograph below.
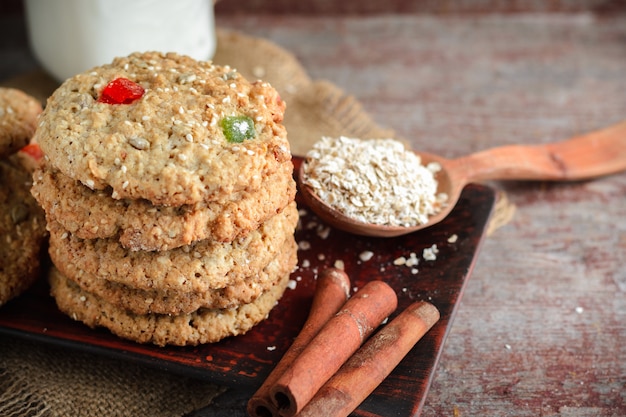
(582, 157)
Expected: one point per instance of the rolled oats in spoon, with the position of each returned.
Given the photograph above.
(377, 188)
(374, 181)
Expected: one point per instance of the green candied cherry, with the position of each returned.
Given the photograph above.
(238, 128)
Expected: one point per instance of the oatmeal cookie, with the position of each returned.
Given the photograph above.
(18, 119)
(165, 128)
(201, 326)
(174, 302)
(139, 225)
(197, 267)
(22, 230)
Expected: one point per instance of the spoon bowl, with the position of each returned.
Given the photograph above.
(339, 220)
(587, 156)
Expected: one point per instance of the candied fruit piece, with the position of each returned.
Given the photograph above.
(238, 128)
(33, 150)
(121, 91)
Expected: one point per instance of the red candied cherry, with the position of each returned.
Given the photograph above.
(121, 91)
(33, 150)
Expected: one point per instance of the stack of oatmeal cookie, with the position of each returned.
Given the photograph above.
(168, 190)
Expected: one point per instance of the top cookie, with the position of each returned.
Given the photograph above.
(18, 119)
(185, 131)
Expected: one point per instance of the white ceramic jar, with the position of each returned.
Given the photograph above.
(71, 36)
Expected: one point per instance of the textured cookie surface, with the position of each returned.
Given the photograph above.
(169, 146)
(22, 231)
(201, 326)
(90, 214)
(175, 302)
(18, 119)
(197, 267)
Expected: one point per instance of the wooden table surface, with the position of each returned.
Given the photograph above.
(541, 329)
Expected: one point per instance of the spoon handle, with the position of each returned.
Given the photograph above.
(591, 155)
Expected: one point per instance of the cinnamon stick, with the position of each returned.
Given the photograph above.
(371, 364)
(332, 289)
(333, 345)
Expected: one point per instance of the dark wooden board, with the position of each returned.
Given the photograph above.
(245, 360)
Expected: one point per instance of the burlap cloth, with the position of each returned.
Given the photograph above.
(48, 381)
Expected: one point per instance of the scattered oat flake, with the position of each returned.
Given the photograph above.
(271, 348)
(453, 238)
(399, 261)
(339, 264)
(413, 260)
(292, 284)
(323, 232)
(304, 245)
(430, 254)
(366, 255)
